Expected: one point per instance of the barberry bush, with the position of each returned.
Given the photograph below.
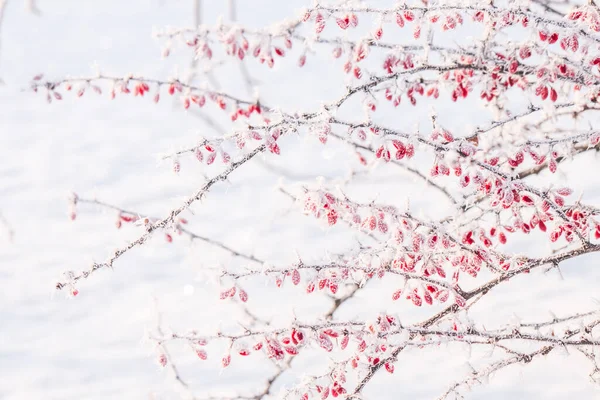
(482, 104)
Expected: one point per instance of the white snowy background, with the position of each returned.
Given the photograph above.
(92, 347)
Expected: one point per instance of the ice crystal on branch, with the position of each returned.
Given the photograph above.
(408, 56)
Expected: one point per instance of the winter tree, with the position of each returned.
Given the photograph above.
(420, 196)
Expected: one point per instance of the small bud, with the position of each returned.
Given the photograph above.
(162, 360)
(226, 360)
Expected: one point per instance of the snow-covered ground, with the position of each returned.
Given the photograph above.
(91, 347)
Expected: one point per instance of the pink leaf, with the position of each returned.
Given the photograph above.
(325, 342)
